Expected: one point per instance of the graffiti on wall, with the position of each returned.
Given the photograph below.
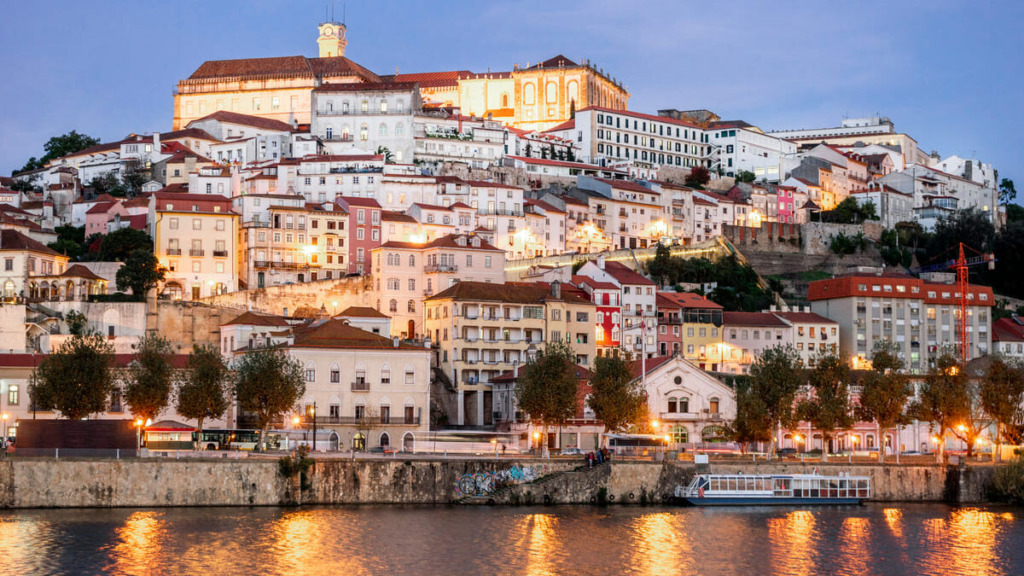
(484, 483)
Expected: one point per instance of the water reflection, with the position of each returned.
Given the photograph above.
(964, 542)
(792, 539)
(660, 544)
(854, 538)
(541, 544)
(140, 543)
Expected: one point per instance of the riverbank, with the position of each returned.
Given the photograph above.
(68, 483)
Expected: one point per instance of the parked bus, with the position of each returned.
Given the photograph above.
(220, 439)
(481, 443)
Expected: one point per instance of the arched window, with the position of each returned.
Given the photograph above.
(551, 92)
(408, 442)
(412, 308)
(344, 107)
(359, 442)
(364, 132)
(714, 405)
(385, 440)
(684, 405)
(385, 374)
(672, 404)
(573, 91)
(412, 260)
(679, 435)
(399, 130)
(310, 372)
(412, 284)
(393, 305)
(504, 100)
(529, 94)
(383, 130)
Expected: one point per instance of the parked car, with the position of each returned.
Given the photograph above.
(382, 450)
(787, 452)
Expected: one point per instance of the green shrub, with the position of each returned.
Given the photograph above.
(1008, 482)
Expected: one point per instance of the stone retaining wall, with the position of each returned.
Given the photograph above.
(46, 483)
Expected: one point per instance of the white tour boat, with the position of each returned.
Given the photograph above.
(773, 489)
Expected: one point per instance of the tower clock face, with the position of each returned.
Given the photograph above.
(328, 31)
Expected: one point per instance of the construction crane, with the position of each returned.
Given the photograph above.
(961, 264)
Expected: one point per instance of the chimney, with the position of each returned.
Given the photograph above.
(394, 341)
(600, 262)
(556, 289)
(156, 142)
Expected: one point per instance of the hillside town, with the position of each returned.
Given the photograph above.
(418, 245)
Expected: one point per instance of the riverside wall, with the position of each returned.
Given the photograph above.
(48, 483)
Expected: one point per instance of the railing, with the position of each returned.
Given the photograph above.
(361, 112)
(196, 252)
(220, 253)
(59, 453)
(360, 386)
(431, 268)
(174, 251)
(368, 420)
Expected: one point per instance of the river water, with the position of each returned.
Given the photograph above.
(871, 539)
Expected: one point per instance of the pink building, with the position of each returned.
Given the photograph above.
(785, 201)
(608, 322)
(364, 216)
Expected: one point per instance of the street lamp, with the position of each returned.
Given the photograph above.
(5, 416)
(963, 439)
(138, 433)
(853, 446)
(312, 416)
(536, 439)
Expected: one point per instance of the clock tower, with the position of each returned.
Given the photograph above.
(332, 40)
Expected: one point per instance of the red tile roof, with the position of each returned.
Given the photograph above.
(247, 120)
(430, 79)
(517, 293)
(752, 319)
(804, 317)
(1007, 330)
(283, 66)
(254, 319)
(390, 216)
(624, 275)
(567, 125)
(446, 241)
(339, 334)
(685, 300)
(361, 312)
(14, 240)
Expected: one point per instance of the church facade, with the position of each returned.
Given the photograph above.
(536, 97)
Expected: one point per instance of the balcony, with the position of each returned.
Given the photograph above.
(220, 253)
(368, 421)
(435, 268)
(174, 251)
(197, 253)
(360, 386)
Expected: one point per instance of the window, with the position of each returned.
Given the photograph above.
(335, 375)
(385, 374)
(13, 396)
(197, 224)
(173, 224)
(393, 305)
(310, 375)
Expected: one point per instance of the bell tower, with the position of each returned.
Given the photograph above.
(332, 40)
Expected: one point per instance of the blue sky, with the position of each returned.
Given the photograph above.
(951, 74)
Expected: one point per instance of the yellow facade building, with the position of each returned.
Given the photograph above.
(534, 97)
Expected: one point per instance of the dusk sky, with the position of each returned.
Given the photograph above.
(950, 74)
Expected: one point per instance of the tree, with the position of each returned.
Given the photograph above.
(77, 323)
(117, 245)
(943, 398)
(149, 377)
(202, 390)
(1002, 394)
(141, 271)
(133, 176)
(529, 150)
(384, 151)
(546, 388)
(884, 390)
(570, 156)
(745, 176)
(849, 211)
(267, 383)
(775, 379)
(60, 146)
(972, 227)
(617, 398)
(69, 240)
(107, 183)
(698, 177)
(828, 408)
(76, 379)
(751, 423)
(25, 185)
(1009, 253)
(1007, 192)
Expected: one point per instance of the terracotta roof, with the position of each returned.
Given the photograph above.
(563, 164)
(631, 114)
(1007, 330)
(339, 334)
(685, 300)
(625, 275)
(432, 206)
(79, 271)
(752, 319)
(283, 66)
(446, 241)
(567, 125)
(389, 216)
(430, 79)
(100, 207)
(804, 317)
(577, 280)
(544, 205)
(353, 201)
(517, 293)
(636, 367)
(254, 319)
(461, 205)
(363, 86)
(361, 312)
(247, 120)
(14, 240)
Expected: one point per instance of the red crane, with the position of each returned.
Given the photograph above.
(962, 265)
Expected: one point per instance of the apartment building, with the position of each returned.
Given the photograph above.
(608, 318)
(747, 335)
(406, 272)
(638, 298)
(195, 236)
(366, 117)
(609, 136)
(632, 215)
(440, 137)
(30, 269)
(481, 330)
(745, 147)
(919, 316)
(363, 230)
(700, 324)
